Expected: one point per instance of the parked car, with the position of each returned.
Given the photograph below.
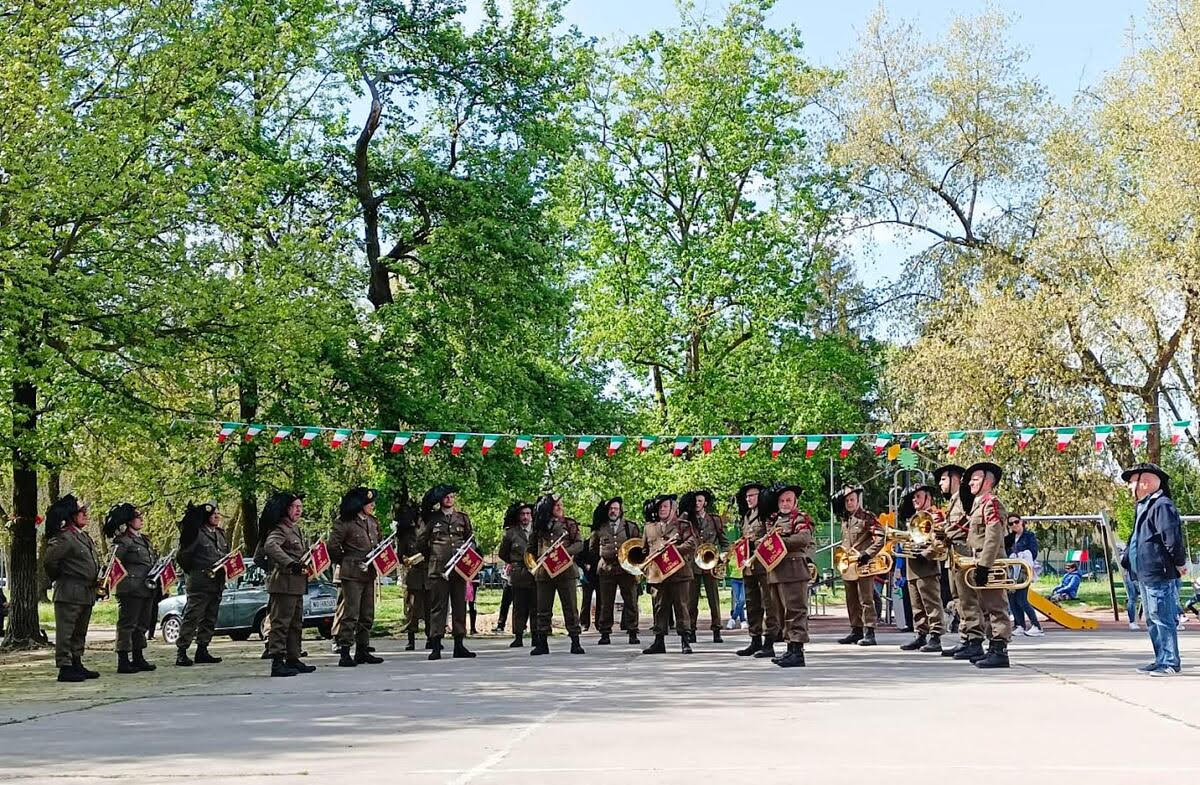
(243, 610)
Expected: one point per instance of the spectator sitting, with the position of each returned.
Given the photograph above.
(1193, 606)
(1068, 587)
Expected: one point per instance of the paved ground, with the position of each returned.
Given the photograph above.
(1071, 710)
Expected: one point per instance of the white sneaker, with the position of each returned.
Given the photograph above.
(1035, 632)
(1133, 625)
(1182, 624)
(1161, 672)
(745, 625)
(729, 624)
(1019, 631)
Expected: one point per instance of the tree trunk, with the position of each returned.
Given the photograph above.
(1154, 436)
(53, 494)
(23, 630)
(247, 463)
(660, 394)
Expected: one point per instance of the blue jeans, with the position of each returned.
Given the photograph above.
(1018, 603)
(1161, 603)
(1131, 597)
(738, 589)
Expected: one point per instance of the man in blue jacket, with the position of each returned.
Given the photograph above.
(1155, 555)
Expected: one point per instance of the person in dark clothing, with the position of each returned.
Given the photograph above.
(1020, 543)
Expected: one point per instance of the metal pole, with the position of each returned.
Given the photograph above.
(1105, 534)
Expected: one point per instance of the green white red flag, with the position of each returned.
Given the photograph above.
(340, 437)
(915, 439)
(811, 443)
(881, 442)
(582, 445)
(523, 441)
(310, 435)
(1178, 429)
(1024, 436)
(989, 440)
(847, 444)
(227, 430)
(281, 434)
(1101, 434)
(550, 444)
(615, 443)
(645, 442)
(744, 445)
(489, 441)
(368, 438)
(429, 441)
(460, 441)
(1137, 434)
(252, 430)
(954, 440)
(681, 443)
(1064, 437)
(400, 440)
(777, 445)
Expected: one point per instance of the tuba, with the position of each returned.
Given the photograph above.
(845, 560)
(921, 535)
(632, 555)
(708, 556)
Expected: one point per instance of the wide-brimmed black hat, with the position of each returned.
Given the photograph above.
(433, 497)
(194, 517)
(117, 518)
(710, 499)
(512, 516)
(687, 505)
(649, 510)
(740, 496)
(1149, 468)
(947, 468)
(543, 511)
(600, 514)
(838, 500)
(964, 490)
(907, 507)
(274, 511)
(354, 500)
(62, 511)
(663, 497)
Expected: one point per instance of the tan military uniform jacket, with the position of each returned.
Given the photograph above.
(753, 530)
(285, 544)
(513, 546)
(210, 546)
(541, 542)
(657, 534)
(956, 524)
(607, 541)
(797, 533)
(441, 537)
(862, 532)
(71, 564)
(986, 529)
(349, 544)
(138, 558)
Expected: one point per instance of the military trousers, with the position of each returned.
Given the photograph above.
(993, 607)
(761, 611)
(712, 589)
(792, 600)
(199, 618)
(586, 613)
(524, 599)
(564, 587)
(71, 621)
(671, 598)
(969, 613)
(135, 617)
(609, 586)
(447, 596)
(860, 602)
(928, 615)
(287, 624)
(416, 610)
(355, 613)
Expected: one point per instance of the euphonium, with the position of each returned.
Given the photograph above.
(708, 556)
(632, 555)
(845, 560)
(921, 534)
(999, 575)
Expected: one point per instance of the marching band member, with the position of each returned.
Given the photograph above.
(861, 532)
(986, 522)
(924, 573)
(671, 593)
(949, 479)
(551, 528)
(137, 597)
(444, 532)
(761, 612)
(518, 521)
(790, 578)
(202, 544)
(416, 593)
(710, 530)
(355, 534)
(70, 562)
(610, 530)
(283, 545)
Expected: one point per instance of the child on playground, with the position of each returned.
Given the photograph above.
(1068, 587)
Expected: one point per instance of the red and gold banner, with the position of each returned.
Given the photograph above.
(116, 573)
(234, 565)
(556, 560)
(386, 560)
(167, 577)
(667, 562)
(770, 551)
(469, 564)
(741, 553)
(316, 561)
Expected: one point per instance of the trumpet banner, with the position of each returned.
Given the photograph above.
(770, 551)
(668, 562)
(556, 560)
(469, 564)
(317, 559)
(234, 565)
(386, 560)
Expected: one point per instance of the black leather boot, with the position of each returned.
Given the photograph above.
(604, 639)
(935, 643)
(363, 656)
(684, 646)
(429, 645)
(916, 643)
(344, 658)
(971, 649)
(997, 656)
(139, 661)
(756, 643)
(412, 642)
(633, 638)
(541, 644)
(69, 673)
(794, 657)
(518, 641)
(856, 635)
(299, 666)
(658, 647)
(204, 658)
(181, 656)
(461, 651)
(87, 673)
(982, 653)
(123, 663)
(717, 637)
(868, 638)
(962, 644)
(435, 650)
(575, 647)
(767, 650)
(281, 668)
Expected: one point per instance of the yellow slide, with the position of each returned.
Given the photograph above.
(1060, 615)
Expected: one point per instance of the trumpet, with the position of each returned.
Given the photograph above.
(408, 562)
(462, 550)
(102, 590)
(999, 575)
(846, 562)
(152, 578)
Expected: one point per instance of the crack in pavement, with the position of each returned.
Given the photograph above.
(1112, 696)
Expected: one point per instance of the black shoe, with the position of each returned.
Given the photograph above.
(304, 653)
(412, 642)
(86, 673)
(70, 673)
(969, 650)
(461, 651)
(767, 650)
(139, 661)
(717, 637)
(981, 654)
(204, 658)
(344, 658)
(429, 645)
(540, 644)
(435, 649)
(794, 657)
(935, 644)
(281, 668)
(633, 638)
(123, 663)
(296, 664)
(363, 656)
(575, 647)
(997, 656)
(856, 635)
(658, 647)
(868, 638)
(916, 643)
(181, 657)
(684, 646)
(518, 641)
(604, 639)
(756, 643)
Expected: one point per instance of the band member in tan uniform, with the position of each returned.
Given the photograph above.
(283, 545)
(137, 594)
(610, 530)
(518, 524)
(355, 534)
(862, 532)
(71, 564)
(444, 530)
(970, 646)
(924, 573)
(986, 530)
(710, 529)
(202, 543)
(550, 524)
(790, 579)
(761, 612)
(670, 593)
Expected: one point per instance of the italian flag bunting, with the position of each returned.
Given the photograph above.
(582, 445)
(1102, 432)
(811, 443)
(915, 439)
(1024, 437)
(460, 441)
(709, 443)
(400, 440)
(777, 445)
(989, 440)
(954, 440)
(281, 434)
(1178, 429)
(615, 443)
(1137, 434)
(681, 443)
(368, 438)
(429, 441)
(744, 444)
(252, 430)
(848, 440)
(227, 430)
(489, 441)
(339, 437)
(645, 442)
(523, 441)
(310, 435)
(881, 441)
(1065, 435)
(551, 443)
